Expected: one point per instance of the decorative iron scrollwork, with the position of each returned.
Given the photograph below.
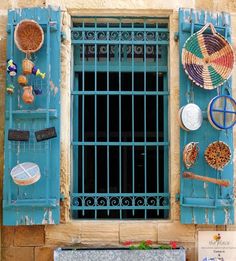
(121, 201)
(120, 36)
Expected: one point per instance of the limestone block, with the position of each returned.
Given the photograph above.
(6, 4)
(63, 234)
(3, 24)
(28, 3)
(43, 254)
(3, 57)
(175, 231)
(8, 234)
(100, 233)
(56, 3)
(204, 5)
(29, 236)
(225, 5)
(138, 231)
(131, 4)
(18, 254)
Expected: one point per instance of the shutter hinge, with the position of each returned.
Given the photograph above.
(176, 36)
(53, 26)
(63, 36)
(177, 197)
(62, 197)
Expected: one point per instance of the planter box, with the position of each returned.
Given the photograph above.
(119, 254)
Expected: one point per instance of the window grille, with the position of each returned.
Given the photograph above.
(120, 118)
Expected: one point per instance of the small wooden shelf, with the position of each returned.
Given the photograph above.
(36, 114)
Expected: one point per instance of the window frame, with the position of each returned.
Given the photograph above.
(167, 105)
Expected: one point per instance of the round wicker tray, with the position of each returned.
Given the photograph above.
(208, 58)
(217, 155)
(28, 36)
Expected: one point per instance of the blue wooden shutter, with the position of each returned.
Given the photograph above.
(37, 203)
(204, 203)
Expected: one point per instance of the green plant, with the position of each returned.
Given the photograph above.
(146, 245)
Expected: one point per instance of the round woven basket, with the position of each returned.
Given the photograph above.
(208, 58)
(29, 36)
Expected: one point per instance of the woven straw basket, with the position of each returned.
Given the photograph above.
(208, 59)
(29, 36)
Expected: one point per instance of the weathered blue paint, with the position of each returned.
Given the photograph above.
(37, 203)
(204, 203)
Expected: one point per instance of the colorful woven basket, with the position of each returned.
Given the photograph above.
(208, 59)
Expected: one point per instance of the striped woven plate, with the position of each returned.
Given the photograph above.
(208, 58)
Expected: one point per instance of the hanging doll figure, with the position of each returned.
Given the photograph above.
(11, 68)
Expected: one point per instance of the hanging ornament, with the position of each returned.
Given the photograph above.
(22, 80)
(37, 72)
(11, 68)
(27, 95)
(10, 89)
(27, 66)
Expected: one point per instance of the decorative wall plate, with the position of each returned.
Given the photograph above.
(26, 173)
(222, 112)
(217, 155)
(208, 58)
(191, 117)
(190, 154)
(28, 36)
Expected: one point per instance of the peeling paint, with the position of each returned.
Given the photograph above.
(206, 216)
(205, 185)
(227, 217)
(47, 217)
(53, 88)
(213, 217)
(28, 221)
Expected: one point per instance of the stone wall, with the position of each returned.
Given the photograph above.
(38, 242)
